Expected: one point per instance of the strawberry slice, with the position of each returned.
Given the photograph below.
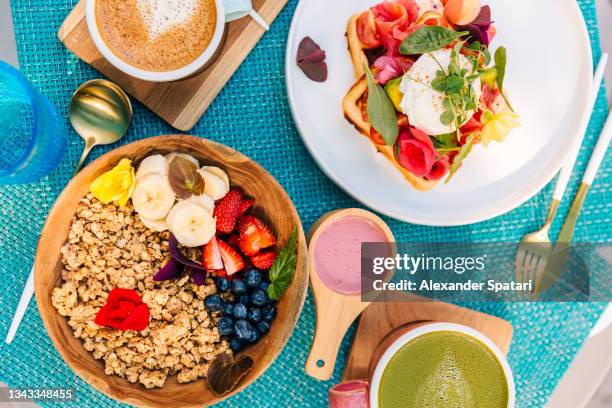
(226, 211)
(231, 258)
(254, 235)
(264, 259)
(211, 256)
(245, 204)
(234, 241)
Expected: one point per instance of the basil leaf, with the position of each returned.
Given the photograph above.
(381, 112)
(283, 268)
(428, 39)
(463, 153)
(500, 65)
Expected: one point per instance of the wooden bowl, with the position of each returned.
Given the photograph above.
(271, 203)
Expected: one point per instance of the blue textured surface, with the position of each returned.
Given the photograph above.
(547, 336)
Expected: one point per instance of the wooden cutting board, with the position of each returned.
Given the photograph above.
(181, 103)
(381, 318)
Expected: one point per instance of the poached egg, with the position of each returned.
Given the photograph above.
(421, 102)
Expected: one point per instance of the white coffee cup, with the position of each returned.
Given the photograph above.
(412, 332)
(228, 9)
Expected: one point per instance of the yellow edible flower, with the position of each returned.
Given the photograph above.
(116, 184)
(497, 126)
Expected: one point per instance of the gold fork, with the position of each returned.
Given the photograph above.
(533, 252)
(534, 249)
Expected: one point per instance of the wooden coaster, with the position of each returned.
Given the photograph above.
(181, 103)
(380, 319)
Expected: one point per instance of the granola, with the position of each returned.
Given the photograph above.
(109, 247)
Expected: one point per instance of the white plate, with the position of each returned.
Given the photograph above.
(549, 76)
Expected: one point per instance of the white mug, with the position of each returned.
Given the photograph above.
(230, 9)
(414, 331)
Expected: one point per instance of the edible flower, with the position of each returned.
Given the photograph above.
(116, 185)
(497, 126)
(416, 153)
(124, 310)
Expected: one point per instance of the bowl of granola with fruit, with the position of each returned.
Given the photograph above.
(171, 272)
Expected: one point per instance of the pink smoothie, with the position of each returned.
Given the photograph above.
(337, 254)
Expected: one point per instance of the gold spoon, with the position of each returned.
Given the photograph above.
(100, 112)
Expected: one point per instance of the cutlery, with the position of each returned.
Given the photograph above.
(535, 248)
(100, 113)
(559, 253)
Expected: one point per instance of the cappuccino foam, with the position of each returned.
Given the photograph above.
(157, 35)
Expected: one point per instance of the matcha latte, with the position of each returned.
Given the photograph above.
(441, 369)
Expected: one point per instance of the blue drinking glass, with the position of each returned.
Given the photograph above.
(33, 135)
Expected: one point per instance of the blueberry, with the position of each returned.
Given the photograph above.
(244, 299)
(236, 344)
(252, 278)
(268, 313)
(254, 337)
(213, 303)
(264, 285)
(254, 314)
(228, 309)
(243, 329)
(240, 311)
(259, 297)
(223, 284)
(263, 326)
(226, 326)
(239, 287)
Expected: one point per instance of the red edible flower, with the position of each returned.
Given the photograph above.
(417, 154)
(124, 310)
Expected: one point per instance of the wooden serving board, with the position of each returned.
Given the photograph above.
(180, 103)
(381, 318)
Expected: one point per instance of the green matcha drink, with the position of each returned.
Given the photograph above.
(443, 369)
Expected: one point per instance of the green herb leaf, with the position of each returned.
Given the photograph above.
(445, 143)
(500, 65)
(447, 117)
(225, 372)
(381, 112)
(463, 153)
(428, 39)
(454, 84)
(283, 268)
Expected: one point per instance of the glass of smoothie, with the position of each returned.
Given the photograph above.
(440, 365)
(334, 264)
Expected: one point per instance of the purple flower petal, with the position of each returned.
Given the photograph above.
(180, 257)
(484, 18)
(198, 276)
(171, 270)
(476, 34)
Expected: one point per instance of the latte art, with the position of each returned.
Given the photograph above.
(161, 15)
(157, 35)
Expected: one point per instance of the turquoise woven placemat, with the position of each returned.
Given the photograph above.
(255, 119)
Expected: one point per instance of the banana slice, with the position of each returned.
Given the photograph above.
(203, 201)
(192, 225)
(219, 172)
(154, 225)
(216, 187)
(171, 156)
(155, 164)
(153, 197)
